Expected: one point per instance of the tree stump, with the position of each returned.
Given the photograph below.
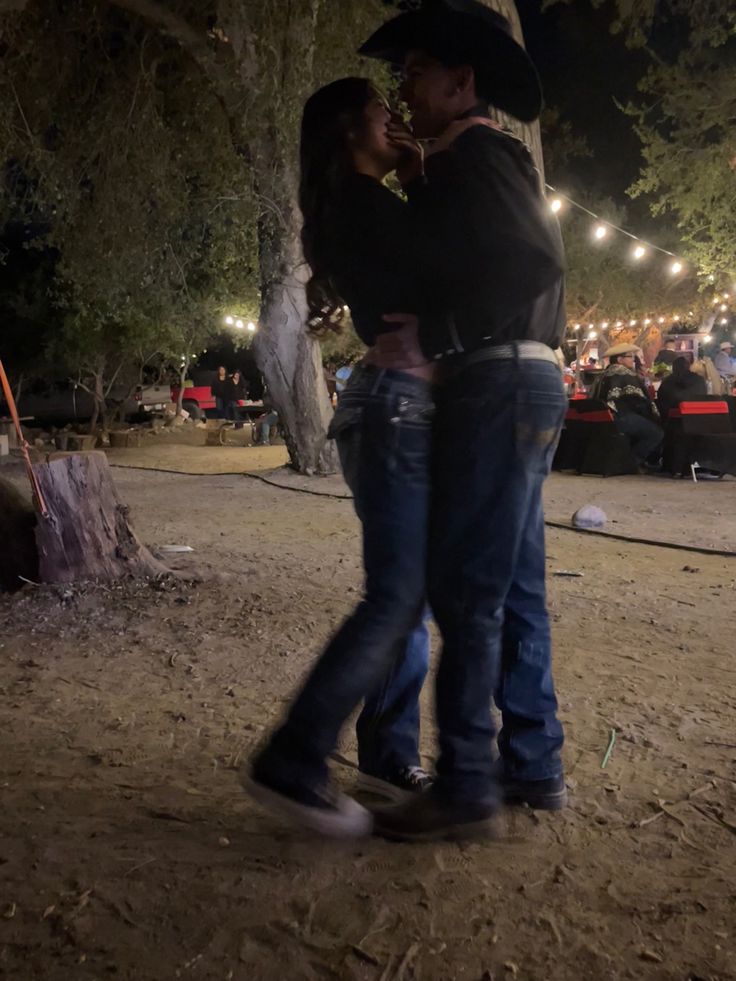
(87, 534)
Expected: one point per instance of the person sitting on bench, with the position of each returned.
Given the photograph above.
(626, 395)
(683, 385)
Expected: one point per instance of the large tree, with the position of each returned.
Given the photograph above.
(259, 59)
(686, 120)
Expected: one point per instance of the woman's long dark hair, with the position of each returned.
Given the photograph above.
(680, 370)
(330, 116)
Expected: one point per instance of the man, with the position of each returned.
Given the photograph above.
(625, 393)
(668, 354)
(724, 364)
(502, 279)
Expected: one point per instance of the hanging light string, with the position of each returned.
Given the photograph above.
(604, 225)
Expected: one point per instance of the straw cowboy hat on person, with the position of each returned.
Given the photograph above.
(726, 346)
(465, 32)
(622, 349)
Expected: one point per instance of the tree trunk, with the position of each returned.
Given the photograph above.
(87, 534)
(183, 372)
(287, 356)
(99, 412)
(528, 132)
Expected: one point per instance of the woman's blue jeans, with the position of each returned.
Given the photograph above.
(383, 427)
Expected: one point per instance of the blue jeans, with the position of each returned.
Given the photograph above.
(266, 424)
(486, 578)
(383, 426)
(644, 435)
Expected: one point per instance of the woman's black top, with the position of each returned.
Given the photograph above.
(376, 260)
(672, 391)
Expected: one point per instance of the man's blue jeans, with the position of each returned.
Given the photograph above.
(486, 578)
(383, 426)
(644, 434)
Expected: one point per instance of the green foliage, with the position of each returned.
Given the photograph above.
(131, 168)
(686, 126)
(685, 121)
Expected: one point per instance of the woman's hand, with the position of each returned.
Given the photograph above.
(455, 129)
(411, 163)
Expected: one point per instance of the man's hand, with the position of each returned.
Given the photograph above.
(398, 349)
(451, 133)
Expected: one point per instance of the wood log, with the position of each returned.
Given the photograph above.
(19, 555)
(87, 534)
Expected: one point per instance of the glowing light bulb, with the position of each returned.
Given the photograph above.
(251, 326)
(639, 252)
(592, 335)
(661, 320)
(676, 268)
(229, 321)
(632, 323)
(604, 325)
(725, 296)
(576, 327)
(723, 307)
(600, 231)
(555, 205)
(676, 317)
(619, 323)
(724, 321)
(239, 324)
(707, 339)
(647, 322)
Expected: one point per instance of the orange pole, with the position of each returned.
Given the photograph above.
(37, 495)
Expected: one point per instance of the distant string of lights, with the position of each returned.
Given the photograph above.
(602, 229)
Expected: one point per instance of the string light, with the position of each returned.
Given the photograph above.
(602, 228)
(229, 321)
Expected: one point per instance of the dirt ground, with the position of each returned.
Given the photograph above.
(127, 849)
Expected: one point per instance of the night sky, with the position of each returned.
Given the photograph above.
(583, 68)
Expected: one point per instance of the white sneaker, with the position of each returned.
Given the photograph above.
(398, 786)
(326, 812)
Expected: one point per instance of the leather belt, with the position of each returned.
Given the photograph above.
(518, 350)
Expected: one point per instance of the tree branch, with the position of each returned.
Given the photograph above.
(195, 42)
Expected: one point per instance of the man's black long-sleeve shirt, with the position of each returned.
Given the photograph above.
(495, 246)
(475, 254)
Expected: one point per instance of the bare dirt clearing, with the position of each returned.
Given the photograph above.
(127, 849)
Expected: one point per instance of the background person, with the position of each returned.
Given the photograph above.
(236, 391)
(725, 365)
(667, 354)
(625, 393)
(683, 385)
(220, 392)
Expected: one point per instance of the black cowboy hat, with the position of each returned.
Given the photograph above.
(465, 32)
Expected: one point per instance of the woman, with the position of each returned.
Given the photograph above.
(359, 243)
(682, 385)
